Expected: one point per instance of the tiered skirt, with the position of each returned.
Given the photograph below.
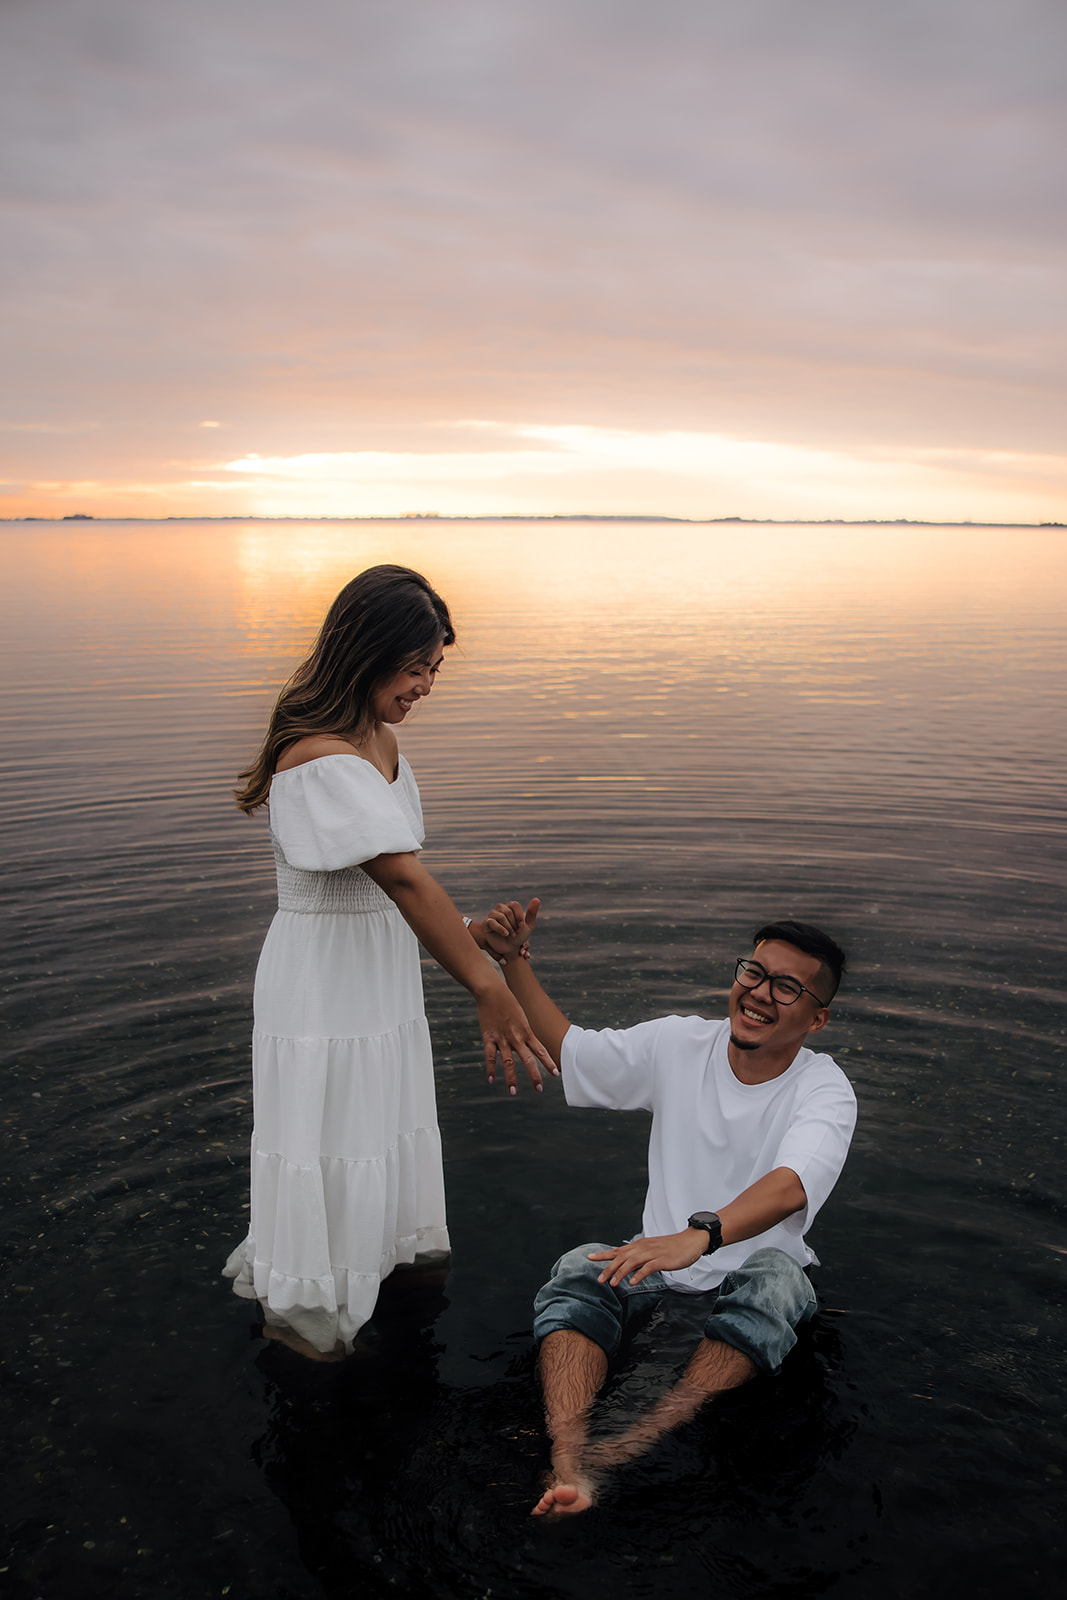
(346, 1155)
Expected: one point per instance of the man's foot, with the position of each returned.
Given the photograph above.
(564, 1500)
(303, 1347)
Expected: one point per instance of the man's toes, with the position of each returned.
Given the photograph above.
(563, 1499)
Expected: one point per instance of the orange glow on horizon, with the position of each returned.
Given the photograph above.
(544, 470)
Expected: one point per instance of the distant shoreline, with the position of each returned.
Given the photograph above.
(564, 516)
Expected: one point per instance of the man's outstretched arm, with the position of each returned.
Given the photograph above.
(507, 930)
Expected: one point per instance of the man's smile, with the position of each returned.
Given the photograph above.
(763, 1029)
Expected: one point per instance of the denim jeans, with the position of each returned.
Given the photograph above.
(754, 1309)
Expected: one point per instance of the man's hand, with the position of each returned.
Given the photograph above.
(669, 1253)
(764, 1203)
(508, 928)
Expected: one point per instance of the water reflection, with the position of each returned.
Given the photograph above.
(670, 732)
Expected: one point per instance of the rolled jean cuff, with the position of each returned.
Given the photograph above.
(759, 1305)
(573, 1301)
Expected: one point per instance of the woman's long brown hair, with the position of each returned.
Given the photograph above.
(384, 619)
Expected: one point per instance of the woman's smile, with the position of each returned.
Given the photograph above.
(395, 698)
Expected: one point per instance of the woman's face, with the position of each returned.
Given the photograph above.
(392, 700)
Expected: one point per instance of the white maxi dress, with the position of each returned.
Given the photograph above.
(346, 1153)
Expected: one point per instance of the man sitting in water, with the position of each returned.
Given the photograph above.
(750, 1130)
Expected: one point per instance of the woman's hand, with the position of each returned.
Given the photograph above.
(508, 928)
(668, 1253)
(506, 1032)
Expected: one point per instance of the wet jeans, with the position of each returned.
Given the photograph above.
(754, 1309)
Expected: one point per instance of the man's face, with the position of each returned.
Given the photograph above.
(757, 1022)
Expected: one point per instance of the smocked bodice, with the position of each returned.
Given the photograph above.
(347, 890)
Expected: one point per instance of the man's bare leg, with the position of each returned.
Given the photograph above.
(572, 1370)
(713, 1369)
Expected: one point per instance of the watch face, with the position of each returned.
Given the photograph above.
(708, 1220)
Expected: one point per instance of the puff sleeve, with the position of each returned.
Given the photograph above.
(339, 811)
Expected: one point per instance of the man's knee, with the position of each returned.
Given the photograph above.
(759, 1305)
(777, 1279)
(574, 1300)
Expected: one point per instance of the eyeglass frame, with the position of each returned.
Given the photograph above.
(744, 963)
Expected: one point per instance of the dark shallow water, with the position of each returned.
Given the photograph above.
(671, 734)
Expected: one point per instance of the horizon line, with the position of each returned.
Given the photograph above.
(559, 516)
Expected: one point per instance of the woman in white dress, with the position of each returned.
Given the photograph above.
(346, 1154)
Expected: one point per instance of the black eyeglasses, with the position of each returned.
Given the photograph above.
(787, 991)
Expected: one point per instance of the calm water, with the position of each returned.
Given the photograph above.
(671, 734)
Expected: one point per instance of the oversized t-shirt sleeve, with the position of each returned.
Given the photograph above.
(613, 1068)
(338, 812)
(816, 1142)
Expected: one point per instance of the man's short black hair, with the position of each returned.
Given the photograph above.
(812, 941)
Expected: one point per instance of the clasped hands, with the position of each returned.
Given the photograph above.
(508, 928)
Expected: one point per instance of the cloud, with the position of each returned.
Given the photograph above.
(838, 227)
(584, 470)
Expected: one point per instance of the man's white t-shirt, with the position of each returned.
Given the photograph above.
(712, 1136)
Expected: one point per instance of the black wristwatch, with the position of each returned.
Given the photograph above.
(708, 1220)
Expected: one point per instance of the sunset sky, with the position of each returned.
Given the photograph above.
(764, 258)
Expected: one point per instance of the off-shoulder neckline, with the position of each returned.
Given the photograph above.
(344, 755)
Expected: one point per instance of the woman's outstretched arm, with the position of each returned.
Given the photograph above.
(436, 923)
